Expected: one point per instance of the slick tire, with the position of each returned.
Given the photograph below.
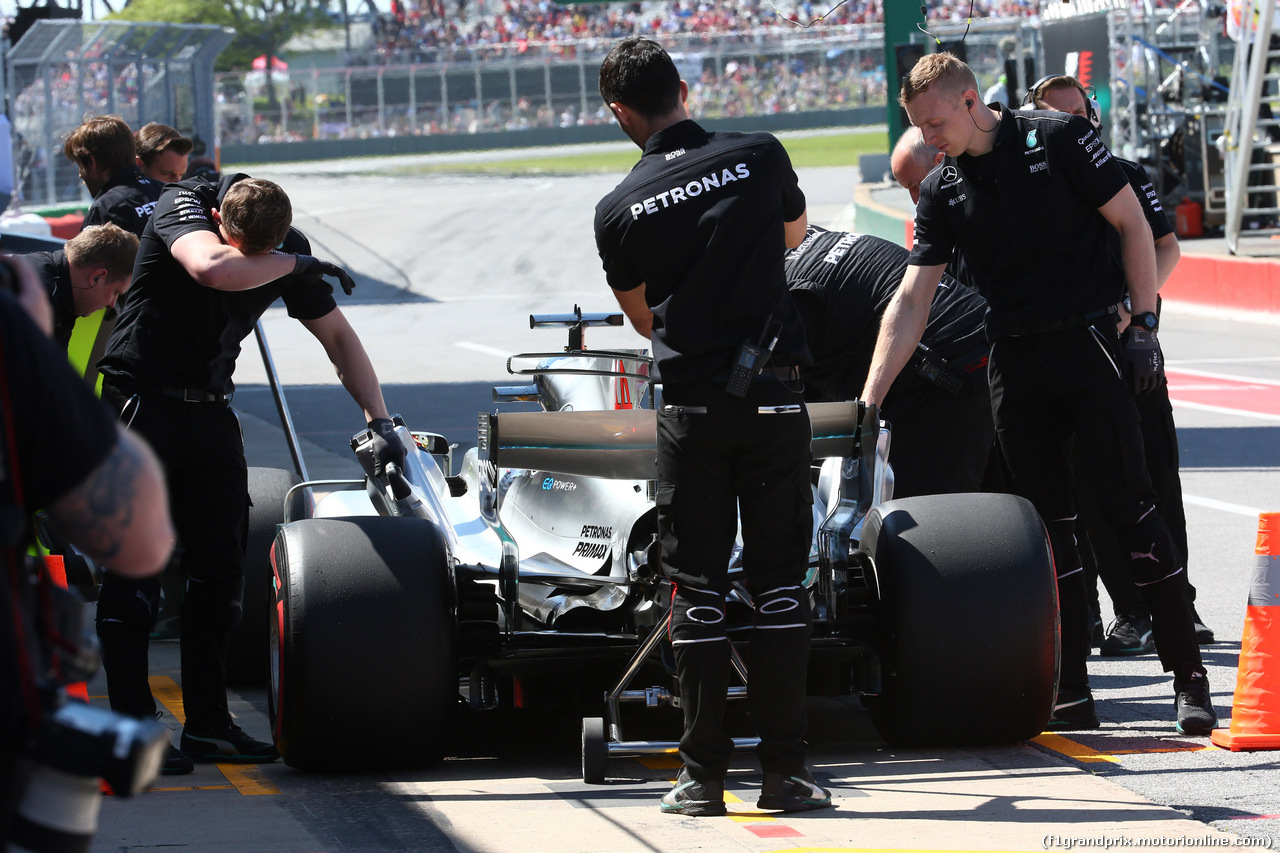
(968, 633)
(363, 669)
(247, 650)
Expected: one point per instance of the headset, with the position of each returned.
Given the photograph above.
(1092, 109)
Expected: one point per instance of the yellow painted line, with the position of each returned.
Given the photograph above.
(245, 778)
(167, 691)
(1080, 752)
(248, 779)
(660, 762)
(1071, 749)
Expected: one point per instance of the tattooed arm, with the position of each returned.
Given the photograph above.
(118, 514)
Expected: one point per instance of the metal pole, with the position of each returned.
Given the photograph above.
(382, 102)
(413, 99)
(277, 393)
(348, 103)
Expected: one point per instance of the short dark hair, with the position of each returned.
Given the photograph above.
(257, 214)
(639, 74)
(106, 140)
(154, 139)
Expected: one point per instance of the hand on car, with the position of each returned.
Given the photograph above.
(314, 269)
(387, 448)
(1142, 360)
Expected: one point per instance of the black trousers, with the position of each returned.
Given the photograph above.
(1102, 559)
(720, 458)
(202, 452)
(941, 443)
(1050, 390)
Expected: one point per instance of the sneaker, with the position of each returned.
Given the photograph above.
(1128, 636)
(697, 799)
(176, 764)
(231, 745)
(1073, 710)
(1204, 634)
(1194, 705)
(799, 793)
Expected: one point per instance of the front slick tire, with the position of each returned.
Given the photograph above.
(363, 672)
(968, 634)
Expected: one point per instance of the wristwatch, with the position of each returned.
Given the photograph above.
(1146, 320)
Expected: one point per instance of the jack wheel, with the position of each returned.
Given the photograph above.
(595, 750)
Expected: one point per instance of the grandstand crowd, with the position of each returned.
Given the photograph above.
(429, 30)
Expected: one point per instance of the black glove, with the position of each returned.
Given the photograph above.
(387, 448)
(1142, 360)
(313, 268)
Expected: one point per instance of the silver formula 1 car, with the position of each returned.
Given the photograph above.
(401, 603)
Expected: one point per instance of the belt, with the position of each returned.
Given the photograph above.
(1076, 321)
(195, 395)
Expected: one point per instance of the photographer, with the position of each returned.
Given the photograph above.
(102, 488)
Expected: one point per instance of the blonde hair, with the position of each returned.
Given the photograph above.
(108, 246)
(943, 70)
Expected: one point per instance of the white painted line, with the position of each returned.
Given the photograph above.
(1175, 362)
(482, 349)
(1230, 377)
(1210, 503)
(1244, 413)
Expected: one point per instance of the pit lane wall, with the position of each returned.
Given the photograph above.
(1206, 275)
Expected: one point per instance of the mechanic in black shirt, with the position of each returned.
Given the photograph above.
(90, 272)
(692, 243)
(1130, 633)
(103, 150)
(1058, 371)
(163, 153)
(940, 408)
(59, 450)
(206, 270)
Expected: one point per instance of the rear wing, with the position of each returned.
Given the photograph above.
(622, 444)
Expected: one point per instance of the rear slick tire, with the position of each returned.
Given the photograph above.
(246, 659)
(363, 668)
(968, 636)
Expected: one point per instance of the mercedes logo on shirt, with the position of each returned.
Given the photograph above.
(950, 174)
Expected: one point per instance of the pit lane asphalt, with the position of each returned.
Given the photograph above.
(449, 269)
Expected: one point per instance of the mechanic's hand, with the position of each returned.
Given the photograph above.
(311, 267)
(386, 446)
(1143, 362)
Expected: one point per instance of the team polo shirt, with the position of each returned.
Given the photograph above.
(843, 284)
(1025, 217)
(173, 332)
(699, 222)
(1145, 190)
(55, 274)
(127, 200)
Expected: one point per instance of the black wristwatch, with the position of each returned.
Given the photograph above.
(1146, 320)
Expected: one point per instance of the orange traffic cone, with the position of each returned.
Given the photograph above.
(1255, 716)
